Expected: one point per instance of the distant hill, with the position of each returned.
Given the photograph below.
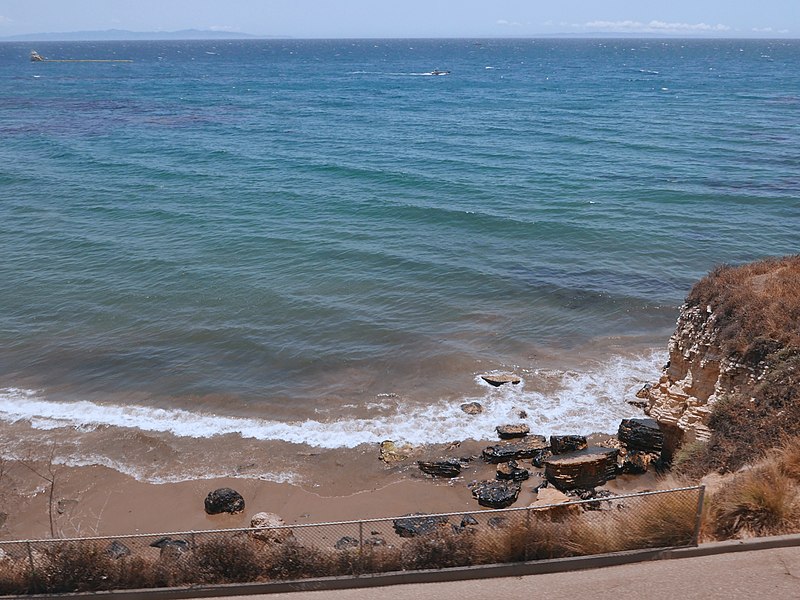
(121, 34)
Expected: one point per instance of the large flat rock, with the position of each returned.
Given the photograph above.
(526, 447)
(583, 469)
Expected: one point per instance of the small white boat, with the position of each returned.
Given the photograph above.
(438, 72)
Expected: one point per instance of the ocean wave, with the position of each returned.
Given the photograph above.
(550, 402)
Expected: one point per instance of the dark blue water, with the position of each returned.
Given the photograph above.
(289, 228)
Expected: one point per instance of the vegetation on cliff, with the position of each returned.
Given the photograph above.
(756, 308)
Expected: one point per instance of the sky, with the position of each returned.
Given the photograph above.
(409, 18)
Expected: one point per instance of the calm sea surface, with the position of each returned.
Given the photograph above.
(322, 242)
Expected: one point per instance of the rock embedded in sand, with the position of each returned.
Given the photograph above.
(561, 444)
(498, 379)
(641, 434)
(511, 471)
(224, 500)
(346, 543)
(392, 453)
(583, 469)
(508, 432)
(440, 468)
(417, 524)
(472, 408)
(117, 549)
(526, 447)
(495, 494)
(270, 528)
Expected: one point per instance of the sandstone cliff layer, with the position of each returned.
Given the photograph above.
(735, 327)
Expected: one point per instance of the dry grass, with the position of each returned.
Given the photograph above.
(228, 560)
(757, 308)
(653, 521)
(757, 305)
(757, 502)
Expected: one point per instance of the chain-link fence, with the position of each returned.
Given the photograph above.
(597, 525)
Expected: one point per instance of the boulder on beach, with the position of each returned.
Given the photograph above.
(495, 494)
(526, 447)
(508, 432)
(417, 524)
(472, 408)
(392, 453)
(583, 469)
(498, 379)
(440, 468)
(511, 471)
(224, 500)
(269, 527)
(561, 444)
(641, 434)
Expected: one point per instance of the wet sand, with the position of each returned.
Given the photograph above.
(339, 485)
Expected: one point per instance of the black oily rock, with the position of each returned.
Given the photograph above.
(641, 434)
(537, 460)
(418, 524)
(526, 447)
(346, 543)
(117, 549)
(560, 444)
(512, 471)
(168, 542)
(440, 468)
(224, 500)
(496, 494)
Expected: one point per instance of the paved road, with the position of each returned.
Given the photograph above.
(761, 574)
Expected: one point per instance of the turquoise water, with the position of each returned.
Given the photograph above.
(293, 229)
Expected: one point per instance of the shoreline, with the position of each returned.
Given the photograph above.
(99, 501)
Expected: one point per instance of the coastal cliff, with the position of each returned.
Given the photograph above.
(729, 388)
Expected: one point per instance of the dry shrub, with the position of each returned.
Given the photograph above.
(293, 560)
(75, 567)
(754, 304)
(15, 579)
(379, 559)
(228, 560)
(538, 538)
(439, 550)
(787, 457)
(657, 521)
(761, 501)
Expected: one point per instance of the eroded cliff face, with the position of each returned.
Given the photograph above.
(697, 375)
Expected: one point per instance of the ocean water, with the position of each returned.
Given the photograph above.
(323, 243)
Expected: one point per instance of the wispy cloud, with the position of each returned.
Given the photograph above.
(763, 29)
(506, 23)
(653, 27)
(4, 20)
(222, 28)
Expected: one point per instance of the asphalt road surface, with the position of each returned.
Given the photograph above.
(759, 575)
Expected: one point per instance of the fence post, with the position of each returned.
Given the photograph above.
(527, 532)
(698, 520)
(360, 548)
(34, 578)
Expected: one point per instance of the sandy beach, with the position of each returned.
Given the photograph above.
(339, 485)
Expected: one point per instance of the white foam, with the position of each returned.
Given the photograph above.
(579, 403)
